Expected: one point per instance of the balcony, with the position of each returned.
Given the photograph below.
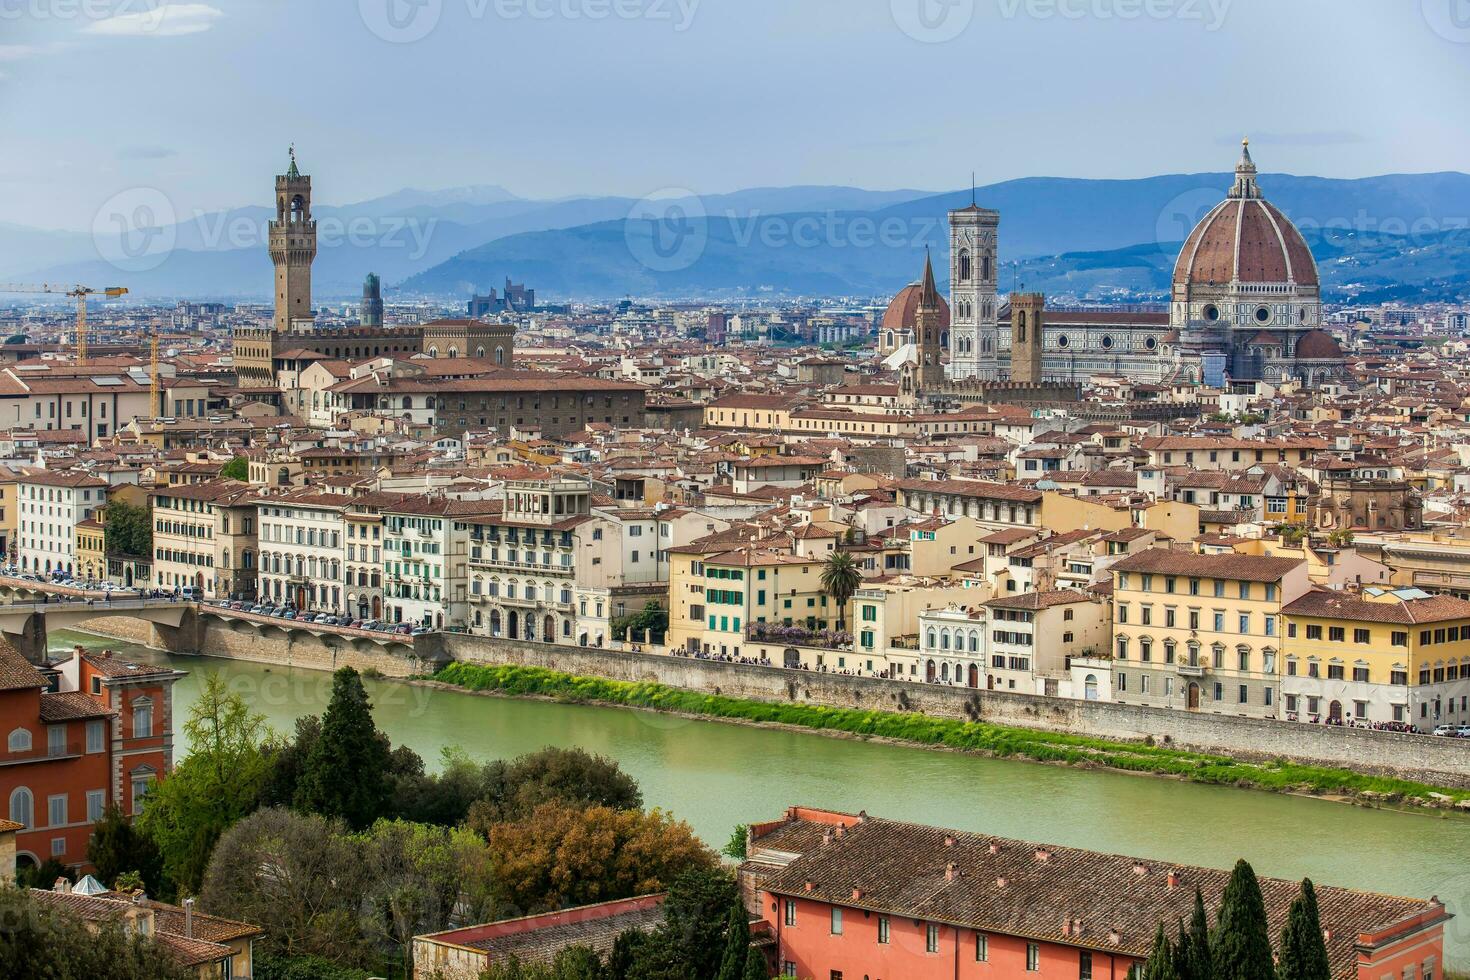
(1186, 669)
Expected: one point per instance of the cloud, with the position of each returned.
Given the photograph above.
(146, 153)
(164, 20)
(15, 52)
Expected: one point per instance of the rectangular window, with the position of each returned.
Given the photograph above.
(931, 938)
(56, 810)
(883, 929)
(56, 740)
(836, 922)
(1033, 957)
(982, 947)
(1336, 634)
(1361, 636)
(1314, 632)
(96, 802)
(96, 732)
(1084, 965)
(790, 912)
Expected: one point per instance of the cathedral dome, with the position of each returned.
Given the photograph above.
(1318, 345)
(1245, 239)
(902, 312)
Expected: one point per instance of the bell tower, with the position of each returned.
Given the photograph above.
(927, 330)
(292, 247)
(1026, 336)
(973, 236)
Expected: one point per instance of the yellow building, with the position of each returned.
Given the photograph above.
(91, 549)
(1202, 632)
(8, 508)
(719, 597)
(1377, 656)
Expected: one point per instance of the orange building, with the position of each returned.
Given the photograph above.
(79, 735)
(851, 896)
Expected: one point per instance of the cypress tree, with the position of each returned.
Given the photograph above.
(1160, 964)
(1241, 948)
(755, 966)
(1183, 954)
(1303, 949)
(347, 774)
(737, 943)
(1200, 965)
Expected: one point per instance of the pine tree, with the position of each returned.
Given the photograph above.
(1160, 965)
(755, 966)
(1241, 948)
(347, 773)
(1303, 949)
(737, 943)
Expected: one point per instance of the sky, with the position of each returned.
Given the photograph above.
(552, 98)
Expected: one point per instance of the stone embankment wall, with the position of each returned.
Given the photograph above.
(1441, 761)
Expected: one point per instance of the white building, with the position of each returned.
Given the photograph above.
(301, 550)
(49, 505)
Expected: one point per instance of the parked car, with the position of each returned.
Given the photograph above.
(1445, 731)
(1463, 731)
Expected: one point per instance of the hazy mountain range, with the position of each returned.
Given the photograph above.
(1396, 236)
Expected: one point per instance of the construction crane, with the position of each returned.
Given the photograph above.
(80, 294)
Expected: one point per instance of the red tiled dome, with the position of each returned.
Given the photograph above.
(901, 313)
(1318, 345)
(1270, 248)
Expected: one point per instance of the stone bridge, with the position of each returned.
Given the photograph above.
(30, 610)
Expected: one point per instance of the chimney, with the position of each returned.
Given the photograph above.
(1001, 882)
(826, 836)
(950, 871)
(1043, 855)
(841, 829)
(188, 918)
(1066, 926)
(862, 815)
(994, 848)
(949, 840)
(857, 893)
(1140, 869)
(1076, 927)
(1114, 937)
(809, 886)
(1173, 880)
(61, 886)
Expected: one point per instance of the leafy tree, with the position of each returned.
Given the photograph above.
(561, 856)
(1241, 945)
(1160, 963)
(444, 799)
(271, 967)
(116, 849)
(1196, 954)
(287, 761)
(298, 876)
(552, 775)
(1303, 949)
(217, 784)
(43, 875)
(414, 879)
(840, 579)
(347, 772)
(43, 941)
(696, 913)
(127, 530)
(236, 469)
(737, 943)
(650, 623)
(755, 966)
(735, 847)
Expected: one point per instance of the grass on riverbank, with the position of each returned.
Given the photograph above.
(997, 740)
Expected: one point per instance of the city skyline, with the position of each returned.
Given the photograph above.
(890, 96)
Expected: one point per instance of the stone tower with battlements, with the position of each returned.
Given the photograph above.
(973, 269)
(1027, 310)
(292, 247)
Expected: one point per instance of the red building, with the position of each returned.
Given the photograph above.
(852, 897)
(79, 735)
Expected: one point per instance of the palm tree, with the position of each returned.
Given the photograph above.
(840, 579)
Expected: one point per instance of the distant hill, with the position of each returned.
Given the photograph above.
(1098, 239)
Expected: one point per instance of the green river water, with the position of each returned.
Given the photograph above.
(717, 775)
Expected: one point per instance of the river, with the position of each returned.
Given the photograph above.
(717, 775)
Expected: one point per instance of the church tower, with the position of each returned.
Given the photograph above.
(928, 327)
(973, 341)
(1026, 336)
(292, 247)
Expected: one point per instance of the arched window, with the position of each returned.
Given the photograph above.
(964, 265)
(944, 639)
(19, 741)
(500, 355)
(408, 401)
(930, 639)
(22, 807)
(1021, 327)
